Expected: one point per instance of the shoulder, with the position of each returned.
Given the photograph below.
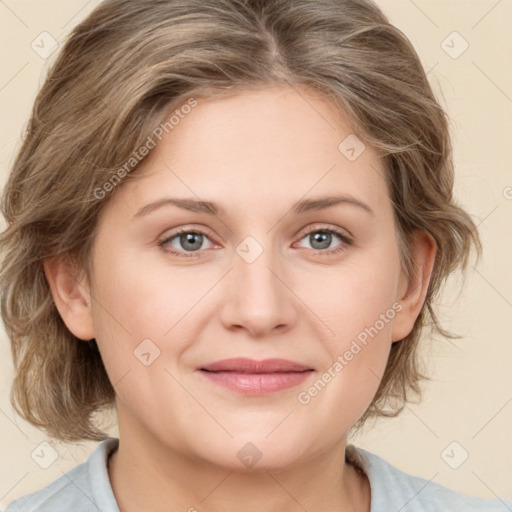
(408, 493)
(84, 488)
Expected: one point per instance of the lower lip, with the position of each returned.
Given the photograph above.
(257, 383)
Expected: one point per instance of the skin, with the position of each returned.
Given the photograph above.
(255, 154)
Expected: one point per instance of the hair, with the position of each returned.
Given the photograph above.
(119, 75)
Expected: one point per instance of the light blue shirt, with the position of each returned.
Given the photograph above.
(86, 488)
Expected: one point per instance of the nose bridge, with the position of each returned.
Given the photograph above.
(259, 299)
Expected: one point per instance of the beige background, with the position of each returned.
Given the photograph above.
(470, 397)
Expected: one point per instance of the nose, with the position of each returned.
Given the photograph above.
(258, 298)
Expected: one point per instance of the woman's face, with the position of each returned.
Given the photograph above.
(262, 278)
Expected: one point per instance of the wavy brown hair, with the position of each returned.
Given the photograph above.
(119, 75)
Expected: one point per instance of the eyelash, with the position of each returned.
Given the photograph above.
(346, 241)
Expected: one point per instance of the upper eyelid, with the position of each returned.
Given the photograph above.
(325, 227)
(202, 231)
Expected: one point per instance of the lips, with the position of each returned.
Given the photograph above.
(245, 365)
(251, 377)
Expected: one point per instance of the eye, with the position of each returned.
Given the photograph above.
(191, 241)
(321, 239)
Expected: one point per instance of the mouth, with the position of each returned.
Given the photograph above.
(251, 377)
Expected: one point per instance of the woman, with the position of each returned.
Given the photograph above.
(229, 220)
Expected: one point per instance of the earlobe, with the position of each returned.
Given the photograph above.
(413, 291)
(71, 295)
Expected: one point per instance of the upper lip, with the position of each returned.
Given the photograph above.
(246, 365)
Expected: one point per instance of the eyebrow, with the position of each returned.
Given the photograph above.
(210, 208)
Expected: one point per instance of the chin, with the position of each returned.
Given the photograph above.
(255, 453)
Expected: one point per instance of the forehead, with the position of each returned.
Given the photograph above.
(258, 148)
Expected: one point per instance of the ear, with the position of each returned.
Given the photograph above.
(71, 295)
(412, 292)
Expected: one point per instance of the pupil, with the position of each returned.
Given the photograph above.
(323, 238)
(187, 241)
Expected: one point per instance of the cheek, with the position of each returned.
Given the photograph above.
(357, 295)
(359, 304)
(357, 358)
(137, 301)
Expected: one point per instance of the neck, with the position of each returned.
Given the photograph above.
(148, 476)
